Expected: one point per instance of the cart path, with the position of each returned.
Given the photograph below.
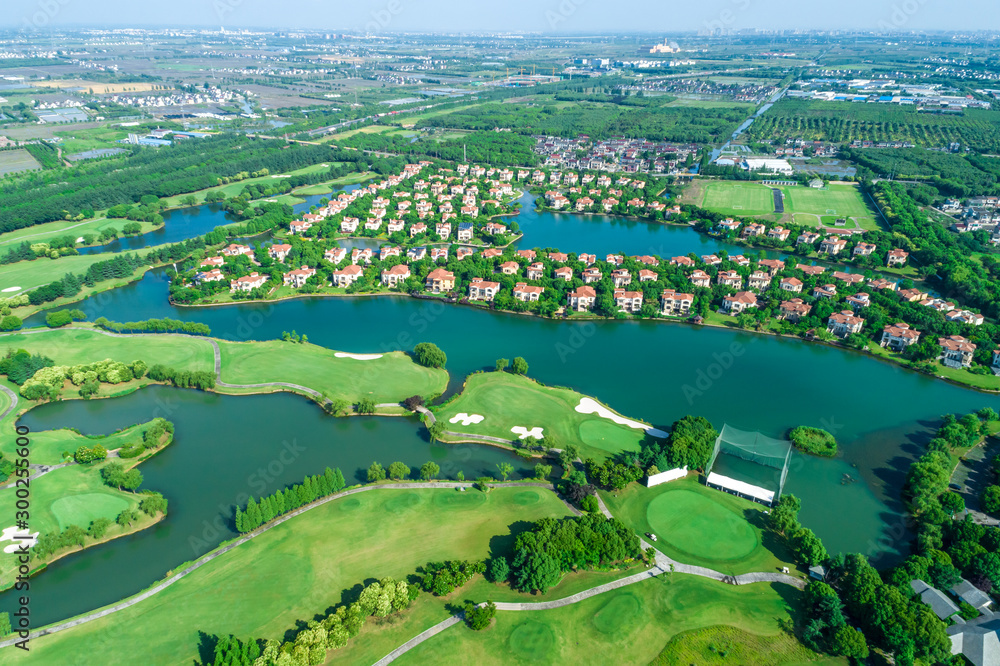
(13, 401)
(159, 587)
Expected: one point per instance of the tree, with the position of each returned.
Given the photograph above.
(10, 323)
(4, 624)
(589, 504)
(849, 642)
(808, 547)
(502, 364)
(413, 402)
(435, 430)
(98, 528)
(57, 319)
(132, 479)
(376, 473)
(499, 569)
(519, 366)
(398, 471)
(543, 471)
(991, 500)
(505, 469)
(365, 406)
(127, 517)
(480, 617)
(429, 355)
(429, 470)
(567, 458)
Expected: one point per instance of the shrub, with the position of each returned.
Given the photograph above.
(429, 355)
(815, 441)
(991, 499)
(59, 318)
(480, 617)
(89, 454)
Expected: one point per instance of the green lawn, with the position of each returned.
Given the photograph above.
(47, 446)
(391, 378)
(701, 526)
(72, 346)
(31, 274)
(40, 233)
(722, 645)
(232, 189)
(630, 625)
(302, 567)
(743, 198)
(507, 400)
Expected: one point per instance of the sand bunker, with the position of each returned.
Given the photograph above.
(11, 289)
(467, 419)
(523, 432)
(358, 357)
(25, 538)
(589, 406)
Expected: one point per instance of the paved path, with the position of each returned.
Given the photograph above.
(417, 640)
(159, 587)
(431, 420)
(13, 401)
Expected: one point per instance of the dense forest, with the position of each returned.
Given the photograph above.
(187, 166)
(487, 147)
(951, 174)
(599, 121)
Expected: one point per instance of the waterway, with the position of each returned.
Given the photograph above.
(880, 413)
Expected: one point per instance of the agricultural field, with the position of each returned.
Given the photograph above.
(699, 525)
(96, 87)
(634, 624)
(803, 205)
(506, 400)
(14, 161)
(304, 565)
(844, 122)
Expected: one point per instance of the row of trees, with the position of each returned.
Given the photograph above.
(165, 325)
(280, 502)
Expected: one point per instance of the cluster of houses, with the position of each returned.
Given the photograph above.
(976, 639)
(602, 195)
(444, 200)
(614, 154)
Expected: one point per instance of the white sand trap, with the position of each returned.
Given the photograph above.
(523, 432)
(358, 357)
(283, 175)
(590, 406)
(80, 239)
(11, 289)
(467, 419)
(25, 538)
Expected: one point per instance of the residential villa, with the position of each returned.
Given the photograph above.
(482, 290)
(621, 277)
(387, 251)
(794, 310)
(965, 317)
(214, 275)
(898, 337)
(759, 281)
(212, 261)
(560, 257)
(676, 303)
(844, 323)
(614, 259)
(335, 255)
(463, 252)
(739, 302)
(772, 266)
(298, 277)
(416, 253)
(417, 228)
(347, 276)
(832, 245)
(791, 284)
(700, 278)
(647, 276)
(510, 267)
(235, 250)
(563, 273)
(628, 301)
(247, 282)
(896, 258)
(398, 273)
(592, 275)
(810, 271)
(711, 259)
(730, 279)
(956, 351)
(527, 254)
(582, 298)
(299, 226)
(754, 229)
(439, 253)
(739, 260)
(807, 238)
(358, 255)
(863, 249)
(443, 230)
(859, 301)
(913, 295)
(587, 259)
(825, 291)
(349, 225)
(524, 292)
(464, 232)
(440, 281)
(279, 251)
(848, 278)
(882, 284)
(778, 233)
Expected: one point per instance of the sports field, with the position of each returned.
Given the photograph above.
(13, 161)
(506, 400)
(630, 625)
(803, 205)
(391, 378)
(699, 525)
(301, 568)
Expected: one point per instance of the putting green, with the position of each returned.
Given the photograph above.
(469, 498)
(84, 508)
(527, 497)
(611, 437)
(532, 641)
(618, 614)
(403, 502)
(694, 524)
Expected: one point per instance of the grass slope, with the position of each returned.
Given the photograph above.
(391, 378)
(626, 626)
(300, 568)
(41, 233)
(508, 400)
(702, 526)
(71, 346)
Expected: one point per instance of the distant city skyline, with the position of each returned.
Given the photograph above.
(545, 16)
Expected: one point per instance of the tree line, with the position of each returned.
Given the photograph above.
(165, 325)
(280, 502)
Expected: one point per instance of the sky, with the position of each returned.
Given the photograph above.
(570, 16)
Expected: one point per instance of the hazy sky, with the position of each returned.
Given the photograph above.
(513, 15)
